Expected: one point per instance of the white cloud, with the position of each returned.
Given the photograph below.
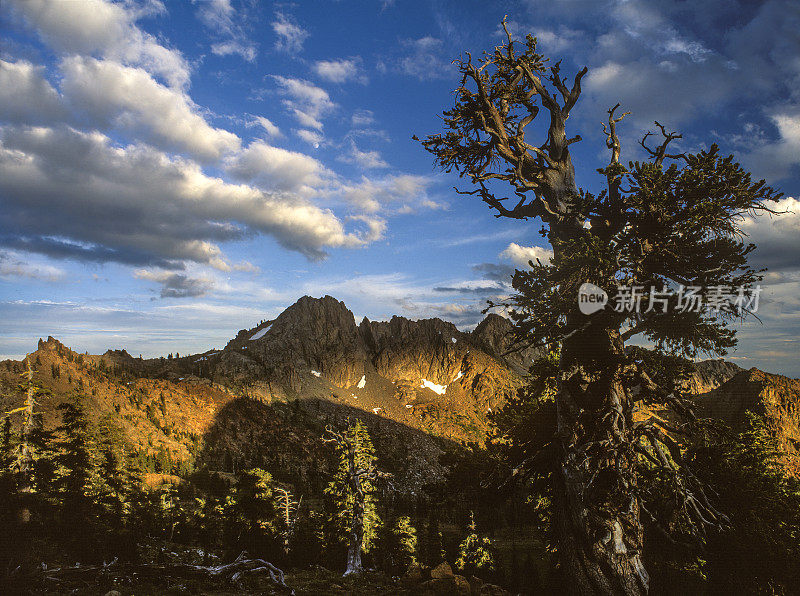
(368, 160)
(291, 36)
(399, 193)
(777, 159)
(97, 27)
(266, 124)
(274, 168)
(363, 118)
(26, 96)
(520, 255)
(218, 16)
(305, 100)
(13, 265)
(130, 99)
(777, 237)
(232, 47)
(71, 194)
(340, 71)
(424, 59)
(311, 137)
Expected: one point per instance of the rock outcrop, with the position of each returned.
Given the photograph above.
(421, 372)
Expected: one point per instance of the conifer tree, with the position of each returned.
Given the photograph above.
(252, 516)
(659, 237)
(305, 543)
(396, 545)
(352, 517)
(73, 479)
(431, 549)
(475, 552)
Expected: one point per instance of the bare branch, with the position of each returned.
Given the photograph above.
(660, 153)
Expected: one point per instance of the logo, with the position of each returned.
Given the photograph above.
(591, 298)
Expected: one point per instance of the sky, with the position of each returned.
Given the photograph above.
(172, 172)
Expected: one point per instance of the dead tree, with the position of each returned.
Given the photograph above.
(289, 508)
(236, 573)
(653, 225)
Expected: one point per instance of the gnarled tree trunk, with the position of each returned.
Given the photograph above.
(356, 520)
(596, 508)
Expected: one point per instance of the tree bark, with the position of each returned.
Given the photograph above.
(597, 513)
(356, 522)
(25, 460)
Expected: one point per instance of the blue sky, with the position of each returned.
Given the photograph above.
(172, 172)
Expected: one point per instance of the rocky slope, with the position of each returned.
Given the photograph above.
(265, 398)
(775, 397)
(426, 374)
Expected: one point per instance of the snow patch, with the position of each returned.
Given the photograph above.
(316, 373)
(453, 339)
(440, 389)
(409, 406)
(458, 376)
(376, 410)
(260, 333)
(363, 382)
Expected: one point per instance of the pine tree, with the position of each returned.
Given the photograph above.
(431, 549)
(475, 552)
(73, 480)
(396, 545)
(251, 515)
(351, 514)
(662, 232)
(305, 543)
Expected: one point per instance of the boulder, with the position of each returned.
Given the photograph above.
(492, 590)
(442, 571)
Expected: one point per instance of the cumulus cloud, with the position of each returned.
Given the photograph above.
(26, 96)
(305, 100)
(520, 255)
(97, 27)
(291, 36)
(67, 193)
(176, 285)
(398, 193)
(274, 168)
(129, 99)
(679, 62)
(340, 71)
(777, 159)
(777, 238)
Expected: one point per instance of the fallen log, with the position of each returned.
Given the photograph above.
(235, 572)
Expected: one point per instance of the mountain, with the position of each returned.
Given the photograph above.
(426, 374)
(265, 398)
(775, 397)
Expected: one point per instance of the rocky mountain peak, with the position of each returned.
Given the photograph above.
(51, 344)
